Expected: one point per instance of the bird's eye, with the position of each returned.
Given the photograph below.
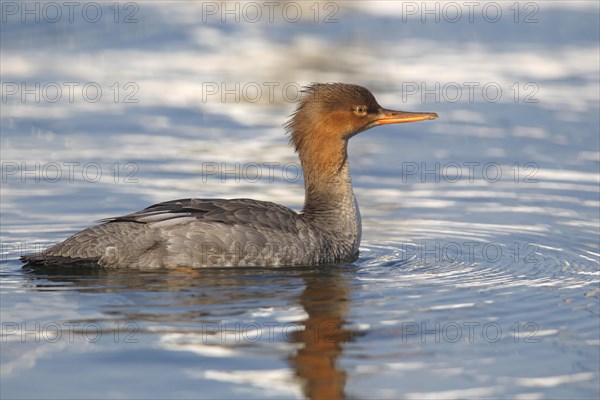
(360, 110)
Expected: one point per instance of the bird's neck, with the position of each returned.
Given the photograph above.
(330, 204)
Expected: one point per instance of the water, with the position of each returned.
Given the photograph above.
(479, 266)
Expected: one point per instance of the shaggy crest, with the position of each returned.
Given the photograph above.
(320, 99)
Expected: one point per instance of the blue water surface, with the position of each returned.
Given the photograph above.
(479, 267)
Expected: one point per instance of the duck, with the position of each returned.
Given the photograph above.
(199, 233)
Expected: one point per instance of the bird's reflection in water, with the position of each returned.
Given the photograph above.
(316, 363)
(180, 300)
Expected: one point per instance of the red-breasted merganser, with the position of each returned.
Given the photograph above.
(243, 232)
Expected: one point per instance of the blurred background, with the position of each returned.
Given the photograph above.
(489, 215)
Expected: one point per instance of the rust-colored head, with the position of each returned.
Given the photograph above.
(329, 114)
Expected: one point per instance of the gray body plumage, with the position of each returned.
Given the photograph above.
(217, 233)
